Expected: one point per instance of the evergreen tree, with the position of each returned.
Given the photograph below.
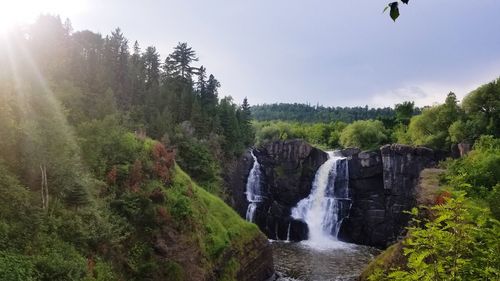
(245, 118)
(77, 196)
(151, 60)
(178, 63)
(137, 76)
(116, 56)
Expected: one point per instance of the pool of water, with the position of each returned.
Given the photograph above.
(311, 262)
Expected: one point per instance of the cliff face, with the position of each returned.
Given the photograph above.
(381, 183)
(256, 260)
(287, 169)
(383, 186)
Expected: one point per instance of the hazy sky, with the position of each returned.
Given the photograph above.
(333, 52)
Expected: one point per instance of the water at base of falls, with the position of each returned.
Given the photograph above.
(299, 262)
(327, 205)
(253, 190)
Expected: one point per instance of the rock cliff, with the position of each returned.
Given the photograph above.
(288, 169)
(383, 186)
(381, 183)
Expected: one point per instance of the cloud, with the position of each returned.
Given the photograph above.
(427, 93)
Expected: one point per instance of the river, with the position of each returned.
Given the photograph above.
(304, 262)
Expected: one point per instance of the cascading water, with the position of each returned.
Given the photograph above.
(328, 204)
(253, 190)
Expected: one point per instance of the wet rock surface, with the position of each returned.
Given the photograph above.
(288, 169)
(383, 186)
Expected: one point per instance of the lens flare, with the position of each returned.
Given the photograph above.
(19, 12)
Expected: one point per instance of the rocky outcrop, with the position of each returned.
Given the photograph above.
(256, 263)
(288, 169)
(383, 186)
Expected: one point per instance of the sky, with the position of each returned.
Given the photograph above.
(331, 52)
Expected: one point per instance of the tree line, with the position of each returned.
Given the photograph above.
(309, 114)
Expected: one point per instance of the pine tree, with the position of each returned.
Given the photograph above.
(245, 118)
(151, 60)
(178, 63)
(77, 196)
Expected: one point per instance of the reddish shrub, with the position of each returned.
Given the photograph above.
(111, 176)
(164, 161)
(442, 197)
(90, 265)
(135, 178)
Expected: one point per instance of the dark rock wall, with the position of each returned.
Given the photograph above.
(383, 186)
(256, 263)
(288, 169)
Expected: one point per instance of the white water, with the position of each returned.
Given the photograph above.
(324, 209)
(253, 190)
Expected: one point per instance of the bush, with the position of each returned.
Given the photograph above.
(460, 243)
(15, 267)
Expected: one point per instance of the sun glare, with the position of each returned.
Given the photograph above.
(19, 12)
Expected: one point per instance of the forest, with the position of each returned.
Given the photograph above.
(105, 147)
(93, 129)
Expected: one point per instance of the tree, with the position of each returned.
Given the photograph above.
(137, 72)
(245, 118)
(404, 112)
(151, 60)
(431, 128)
(116, 56)
(482, 107)
(364, 134)
(178, 63)
(77, 196)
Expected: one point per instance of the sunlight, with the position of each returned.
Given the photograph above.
(18, 12)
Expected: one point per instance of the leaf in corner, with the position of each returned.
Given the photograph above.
(394, 10)
(405, 1)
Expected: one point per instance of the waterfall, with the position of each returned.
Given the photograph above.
(253, 191)
(328, 204)
(288, 232)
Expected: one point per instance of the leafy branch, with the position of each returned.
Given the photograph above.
(394, 9)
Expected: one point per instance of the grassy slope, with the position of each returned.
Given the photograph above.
(211, 224)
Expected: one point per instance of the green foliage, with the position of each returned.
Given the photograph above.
(367, 134)
(15, 267)
(394, 9)
(431, 127)
(102, 272)
(59, 261)
(482, 107)
(442, 125)
(196, 159)
(404, 112)
(479, 172)
(222, 227)
(81, 109)
(458, 238)
(460, 243)
(305, 113)
(326, 135)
